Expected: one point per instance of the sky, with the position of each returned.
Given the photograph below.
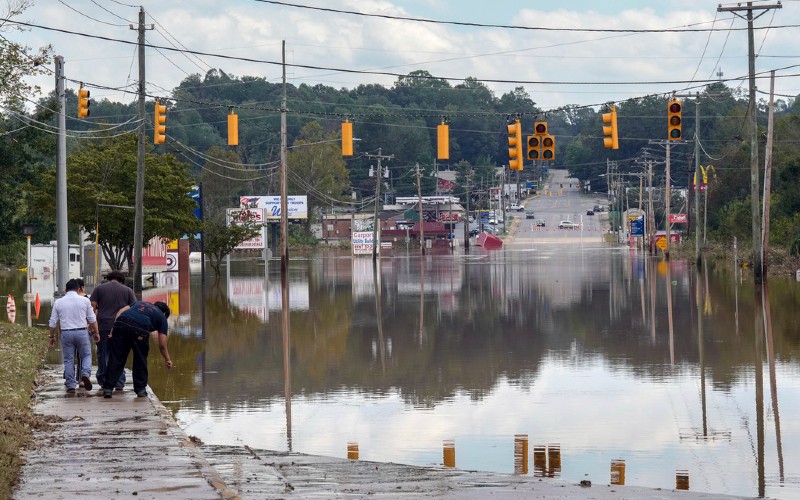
(557, 67)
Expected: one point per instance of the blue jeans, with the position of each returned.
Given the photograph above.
(103, 348)
(76, 339)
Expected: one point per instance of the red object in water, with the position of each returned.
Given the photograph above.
(489, 241)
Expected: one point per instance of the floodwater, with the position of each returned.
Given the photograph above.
(569, 361)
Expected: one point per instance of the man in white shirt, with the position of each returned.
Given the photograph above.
(73, 312)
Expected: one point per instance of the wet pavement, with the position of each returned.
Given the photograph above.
(129, 446)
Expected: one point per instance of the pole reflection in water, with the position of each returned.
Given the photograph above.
(700, 347)
(554, 460)
(682, 480)
(449, 453)
(758, 334)
(618, 472)
(668, 278)
(540, 461)
(773, 379)
(378, 313)
(422, 295)
(352, 451)
(287, 364)
(521, 454)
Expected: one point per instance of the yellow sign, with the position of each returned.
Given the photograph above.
(172, 245)
(661, 243)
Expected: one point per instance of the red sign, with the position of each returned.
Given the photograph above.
(154, 256)
(677, 218)
(448, 217)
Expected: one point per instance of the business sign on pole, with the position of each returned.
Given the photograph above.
(677, 218)
(154, 256)
(297, 206)
(362, 243)
(239, 216)
(637, 226)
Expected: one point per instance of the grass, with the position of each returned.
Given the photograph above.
(22, 351)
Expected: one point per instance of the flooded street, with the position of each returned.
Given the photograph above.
(578, 361)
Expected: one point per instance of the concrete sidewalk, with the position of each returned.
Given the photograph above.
(98, 448)
(123, 446)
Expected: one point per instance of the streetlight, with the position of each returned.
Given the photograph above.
(28, 230)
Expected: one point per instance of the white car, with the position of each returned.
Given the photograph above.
(517, 208)
(566, 224)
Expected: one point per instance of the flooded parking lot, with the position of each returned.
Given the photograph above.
(570, 361)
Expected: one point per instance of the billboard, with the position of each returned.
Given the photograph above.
(297, 206)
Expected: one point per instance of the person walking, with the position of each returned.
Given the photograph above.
(77, 321)
(131, 332)
(107, 299)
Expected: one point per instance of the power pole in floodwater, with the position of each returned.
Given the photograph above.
(378, 177)
(755, 206)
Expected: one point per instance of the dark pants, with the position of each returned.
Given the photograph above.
(103, 348)
(127, 337)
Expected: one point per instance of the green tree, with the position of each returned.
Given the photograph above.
(104, 173)
(220, 239)
(18, 62)
(316, 168)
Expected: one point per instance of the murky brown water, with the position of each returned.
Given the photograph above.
(562, 361)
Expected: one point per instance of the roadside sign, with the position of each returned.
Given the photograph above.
(677, 218)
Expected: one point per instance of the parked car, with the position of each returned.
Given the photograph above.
(538, 223)
(529, 215)
(516, 208)
(566, 224)
(474, 231)
(590, 212)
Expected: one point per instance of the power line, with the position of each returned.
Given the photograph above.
(503, 26)
(371, 72)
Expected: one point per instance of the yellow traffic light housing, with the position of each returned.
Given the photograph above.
(675, 122)
(83, 102)
(233, 129)
(548, 148)
(347, 138)
(443, 141)
(540, 128)
(159, 123)
(534, 147)
(610, 133)
(515, 145)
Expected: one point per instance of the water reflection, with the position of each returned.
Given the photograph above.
(601, 351)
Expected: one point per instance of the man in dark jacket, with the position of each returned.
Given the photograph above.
(107, 299)
(131, 331)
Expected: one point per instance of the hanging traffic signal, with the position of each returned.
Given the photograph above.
(83, 102)
(443, 141)
(347, 138)
(534, 147)
(548, 148)
(675, 123)
(233, 129)
(159, 123)
(611, 136)
(540, 128)
(515, 145)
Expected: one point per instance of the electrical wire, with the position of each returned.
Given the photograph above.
(83, 14)
(481, 25)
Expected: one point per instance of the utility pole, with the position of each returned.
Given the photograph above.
(697, 256)
(284, 174)
(138, 221)
(768, 177)
(62, 245)
(667, 206)
(466, 215)
(378, 176)
(421, 216)
(751, 111)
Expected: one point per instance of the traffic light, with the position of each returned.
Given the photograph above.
(443, 141)
(83, 102)
(534, 147)
(548, 148)
(515, 145)
(675, 123)
(540, 128)
(159, 123)
(347, 138)
(233, 129)
(611, 136)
